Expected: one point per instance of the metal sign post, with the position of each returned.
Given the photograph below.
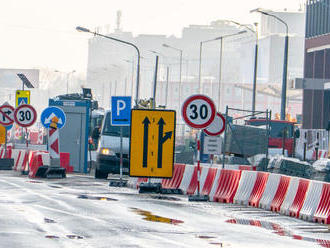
(198, 111)
(120, 116)
(121, 156)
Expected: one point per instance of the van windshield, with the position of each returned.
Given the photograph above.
(110, 130)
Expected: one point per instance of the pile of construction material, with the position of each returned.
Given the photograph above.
(290, 166)
(246, 140)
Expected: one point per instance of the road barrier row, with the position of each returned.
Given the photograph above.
(28, 162)
(292, 196)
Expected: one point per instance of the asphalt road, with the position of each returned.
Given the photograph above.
(80, 211)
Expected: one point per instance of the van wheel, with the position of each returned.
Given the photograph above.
(100, 174)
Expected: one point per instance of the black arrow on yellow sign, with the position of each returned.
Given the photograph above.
(161, 141)
(146, 123)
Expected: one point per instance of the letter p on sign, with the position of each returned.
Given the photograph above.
(121, 105)
(121, 110)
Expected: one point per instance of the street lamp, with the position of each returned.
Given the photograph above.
(255, 32)
(82, 29)
(220, 63)
(67, 79)
(180, 73)
(285, 63)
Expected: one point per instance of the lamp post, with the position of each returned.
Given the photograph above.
(285, 62)
(255, 32)
(82, 29)
(180, 72)
(220, 62)
(200, 62)
(132, 73)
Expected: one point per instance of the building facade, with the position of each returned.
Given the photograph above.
(316, 96)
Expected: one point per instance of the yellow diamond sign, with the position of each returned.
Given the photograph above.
(152, 143)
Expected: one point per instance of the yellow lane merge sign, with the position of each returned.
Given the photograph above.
(22, 97)
(152, 143)
(2, 134)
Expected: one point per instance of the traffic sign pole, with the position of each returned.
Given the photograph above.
(198, 162)
(121, 156)
(120, 116)
(198, 111)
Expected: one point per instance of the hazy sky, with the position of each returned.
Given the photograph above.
(41, 33)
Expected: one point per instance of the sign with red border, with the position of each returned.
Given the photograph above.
(217, 126)
(198, 111)
(25, 115)
(6, 115)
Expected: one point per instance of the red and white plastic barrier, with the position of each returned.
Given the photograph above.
(258, 189)
(38, 159)
(227, 186)
(189, 182)
(246, 184)
(299, 198)
(322, 213)
(312, 200)
(207, 183)
(321, 154)
(296, 197)
(175, 181)
(240, 167)
(280, 193)
(270, 191)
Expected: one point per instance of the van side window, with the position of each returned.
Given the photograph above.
(110, 130)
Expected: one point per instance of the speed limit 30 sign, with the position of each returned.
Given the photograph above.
(25, 115)
(198, 111)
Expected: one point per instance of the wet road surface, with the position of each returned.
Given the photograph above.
(80, 211)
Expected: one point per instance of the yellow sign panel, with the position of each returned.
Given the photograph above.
(152, 143)
(22, 97)
(2, 134)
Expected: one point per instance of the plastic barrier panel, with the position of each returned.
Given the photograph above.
(280, 193)
(312, 200)
(2, 152)
(290, 195)
(258, 189)
(204, 173)
(270, 191)
(299, 198)
(227, 186)
(322, 213)
(190, 190)
(16, 157)
(247, 167)
(214, 185)
(36, 162)
(245, 187)
(175, 181)
(192, 186)
(65, 162)
(208, 182)
(141, 180)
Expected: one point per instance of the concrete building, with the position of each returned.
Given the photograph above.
(112, 66)
(316, 93)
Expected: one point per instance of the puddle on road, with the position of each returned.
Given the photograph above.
(148, 216)
(279, 230)
(73, 236)
(100, 198)
(169, 198)
(52, 237)
(55, 187)
(49, 220)
(214, 242)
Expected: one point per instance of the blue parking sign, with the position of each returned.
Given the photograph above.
(121, 110)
